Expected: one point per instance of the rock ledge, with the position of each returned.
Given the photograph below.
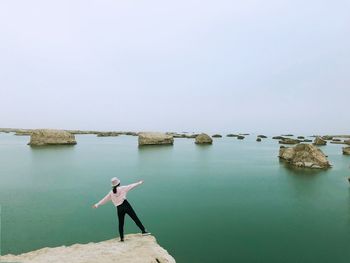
(135, 249)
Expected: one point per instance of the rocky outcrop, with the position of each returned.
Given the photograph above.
(203, 139)
(216, 136)
(304, 155)
(231, 135)
(347, 142)
(135, 249)
(258, 139)
(301, 137)
(240, 137)
(346, 150)
(155, 138)
(289, 141)
(319, 141)
(262, 136)
(289, 135)
(51, 137)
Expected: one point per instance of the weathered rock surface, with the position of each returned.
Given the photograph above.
(289, 141)
(319, 141)
(155, 138)
(216, 136)
(346, 150)
(51, 137)
(326, 137)
(135, 249)
(203, 139)
(304, 155)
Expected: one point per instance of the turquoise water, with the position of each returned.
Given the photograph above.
(232, 201)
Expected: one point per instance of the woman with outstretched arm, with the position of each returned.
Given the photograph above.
(118, 196)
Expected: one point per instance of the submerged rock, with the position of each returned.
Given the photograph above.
(231, 135)
(216, 136)
(262, 136)
(135, 249)
(258, 139)
(155, 138)
(51, 137)
(301, 137)
(304, 155)
(346, 150)
(203, 139)
(319, 141)
(240, 137)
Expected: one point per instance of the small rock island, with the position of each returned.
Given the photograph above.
(51, 137)
(155, 138)
(304, 155)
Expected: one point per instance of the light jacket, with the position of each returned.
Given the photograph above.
(119, 197)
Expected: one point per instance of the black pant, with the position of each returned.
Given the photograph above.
(125, 208)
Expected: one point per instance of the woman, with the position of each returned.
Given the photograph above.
(118, 197)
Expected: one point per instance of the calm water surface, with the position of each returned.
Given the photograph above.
(229, 202)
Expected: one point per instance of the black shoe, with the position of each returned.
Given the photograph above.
(145, 233)
(122, 240)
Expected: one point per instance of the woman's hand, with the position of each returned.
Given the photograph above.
(141, 181)
(94, 206)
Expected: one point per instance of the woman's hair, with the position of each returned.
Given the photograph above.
(115, 188)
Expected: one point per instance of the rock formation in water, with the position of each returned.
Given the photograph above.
(289, 141)
(278, 137)
(346, 150)
(258, 139)
(240, 137)
(326, 137)
(319, 141)
(261, 136)
(301, 137)
(108, 134)
(203, 139)
(231, 135)
(155, 138)
(289, 135)
(216, 136)
(51, 137)
(135, 249)
(304, 155)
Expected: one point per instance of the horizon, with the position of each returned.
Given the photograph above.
(263, 67)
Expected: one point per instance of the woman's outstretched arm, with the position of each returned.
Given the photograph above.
(103, 200)
(131, 186)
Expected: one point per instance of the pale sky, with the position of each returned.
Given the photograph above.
(242, 66)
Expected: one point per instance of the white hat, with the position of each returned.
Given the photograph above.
(115, 181)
